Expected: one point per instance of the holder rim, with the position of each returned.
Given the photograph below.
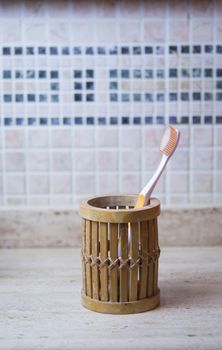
(130, 307)
(94, 213)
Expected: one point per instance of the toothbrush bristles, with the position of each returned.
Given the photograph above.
(169, 140)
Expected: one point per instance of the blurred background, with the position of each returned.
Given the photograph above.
(86, 88)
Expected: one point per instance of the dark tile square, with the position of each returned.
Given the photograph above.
(77, 74)
(90, 120)
(148, 50)
(196, 49)
(208, 119)
(78, 120)
(18, 50)
(113, 73)
(6, 51)
(31, 97)
(54, 74)
(30, 50)
(89, 97)
(43, 121)
(102, 120)
(125, 50)
(89, 85)
(65, 51)
(148, 120)
(125, 120)
(184, 120)
(89, 50)
(185, 49)
(196, 119)
(77, 50)
(113, 120)
(7, 98)
(42, 50)
(7, 74)
(53, 50)
(137, 50)
(89, 73)
(77, 85)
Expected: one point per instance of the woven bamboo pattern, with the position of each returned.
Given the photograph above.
(119, 256)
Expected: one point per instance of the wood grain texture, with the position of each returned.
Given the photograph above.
(40, 304)
(124, 273)
(104, 253)
(95, 253)
(114, 255)
(151, 245)
(134, 253)
(88, 252)
(84, 252)
(156, 263)
(143, 267)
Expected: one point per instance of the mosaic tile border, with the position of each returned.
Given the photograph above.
(111, 50)
(113, 120)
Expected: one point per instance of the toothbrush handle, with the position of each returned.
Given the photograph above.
(148, 189)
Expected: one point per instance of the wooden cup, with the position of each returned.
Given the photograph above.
(120, 254)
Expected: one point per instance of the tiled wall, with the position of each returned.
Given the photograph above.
(86, 89)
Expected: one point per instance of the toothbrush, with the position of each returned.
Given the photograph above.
(168, 145)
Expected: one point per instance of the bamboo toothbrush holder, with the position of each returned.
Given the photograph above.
(120, 253)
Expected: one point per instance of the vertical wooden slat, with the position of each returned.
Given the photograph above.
(143, 267)
(155, 269)
(124, 292)
(84, 252)
(95, 252)
(114, 255)
(150, 268)
(88, 252)
(134, 250)
(103, 255)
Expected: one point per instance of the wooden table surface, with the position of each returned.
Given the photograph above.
(40, 304)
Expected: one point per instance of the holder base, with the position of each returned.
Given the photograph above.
(130, 307)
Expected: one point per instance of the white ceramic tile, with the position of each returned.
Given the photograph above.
(14, 138)
(15, 161)
(61, 184)
(202, 183)
(61, 161)
(130, 183)
(178, 182)
(107, 160)
(61, 138)
(130, 137)
(85, 184)
(180, 160)
(15, 184)
(37, 138)
(38, 184)
(202, 159)
(106, 137)
(83, 137)
(108, 183)
(130, 160)
(202, 135)
(38, 160)
(84, 160)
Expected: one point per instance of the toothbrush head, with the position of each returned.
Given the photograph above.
(169, 141)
